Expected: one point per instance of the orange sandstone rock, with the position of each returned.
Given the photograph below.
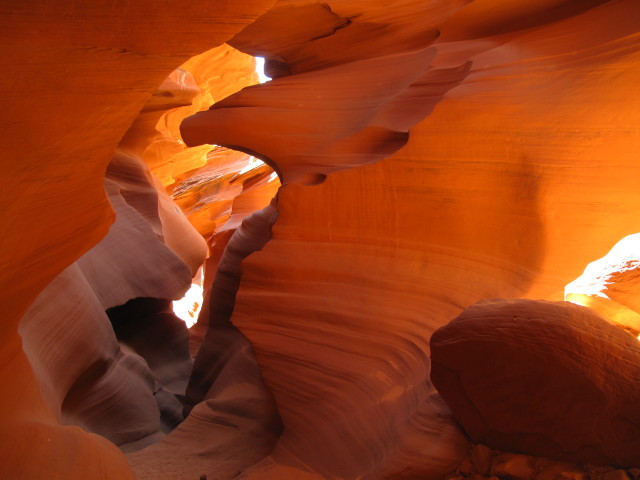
(198, 83)
(524, 169)
(489, 198)
(76, 77)
(355, 121)
(550, 379)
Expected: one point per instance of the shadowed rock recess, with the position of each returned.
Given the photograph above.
(409, 163)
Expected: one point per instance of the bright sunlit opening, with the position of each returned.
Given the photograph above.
(188, 307)
(260, 70)
(607, 275)
(253, 163)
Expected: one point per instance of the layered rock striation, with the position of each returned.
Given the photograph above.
(76, 79)
(458, 151)
(489, 198)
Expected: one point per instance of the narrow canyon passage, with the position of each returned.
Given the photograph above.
(388, 236)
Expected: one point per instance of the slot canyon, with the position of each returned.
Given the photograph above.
(418, 242)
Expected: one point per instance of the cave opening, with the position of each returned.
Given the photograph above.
(189, 306)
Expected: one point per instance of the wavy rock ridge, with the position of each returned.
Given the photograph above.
(496, 152)
(103, 62)
(489, 186)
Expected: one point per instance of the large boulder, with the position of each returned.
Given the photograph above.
(551, 379)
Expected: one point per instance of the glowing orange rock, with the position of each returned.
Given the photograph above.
(220, 195)
(194, 86)
(530, 147)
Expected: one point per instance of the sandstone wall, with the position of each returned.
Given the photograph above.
(495, 144)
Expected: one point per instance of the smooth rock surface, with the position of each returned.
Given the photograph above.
(91, 383)
(76, 77)
(489, 198)
(519, 168)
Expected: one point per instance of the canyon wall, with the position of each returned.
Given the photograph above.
(508, 188)
(77, 75)
(432, 154)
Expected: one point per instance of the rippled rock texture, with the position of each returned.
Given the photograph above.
(552, 379)
(489, 198)
(77, 77)
(432, 153)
